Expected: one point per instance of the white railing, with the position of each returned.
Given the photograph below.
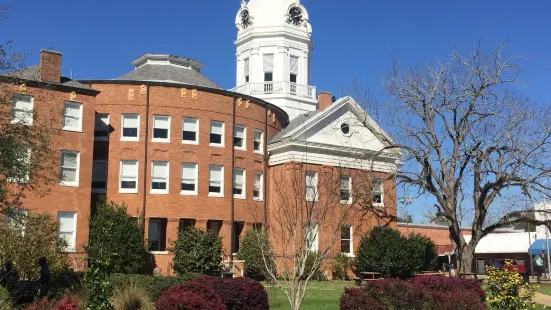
(276, 88)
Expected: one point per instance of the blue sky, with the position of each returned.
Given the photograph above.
(352, 39)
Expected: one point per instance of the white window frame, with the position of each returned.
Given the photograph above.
(381, 189)
(350, 252)
(77, 169)
(80, 108)
(98, 116)
(244, 147)
(261, 151)
(165, 178)
(99, 190)
(27, 162)
(261, 188)
(123, 138)
(129, 190)
(16, 98)
(243, 194)
(247, 69)
(196, 130)
(349, 201)
(165, 140)
(196, 178)
(312, 242)
(160, 225)
(74, 231)
(223, 135)
(221, 194)
(311, 184)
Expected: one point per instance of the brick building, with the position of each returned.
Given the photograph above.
(180, 151)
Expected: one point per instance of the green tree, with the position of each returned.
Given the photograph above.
(422, 252)
(254, 244)
(124, 238)
(27, 237)
(197, 251)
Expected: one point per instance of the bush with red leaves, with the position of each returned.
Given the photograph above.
(358, 299)
(444, 284)
(41, 304)
(190, 296)
(66, 303)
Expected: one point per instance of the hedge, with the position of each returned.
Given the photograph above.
(153, 285)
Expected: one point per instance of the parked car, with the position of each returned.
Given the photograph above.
(500, 264)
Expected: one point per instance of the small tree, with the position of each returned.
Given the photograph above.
(507, 290)
(197, 251)
(422, 251)
(251, 252)
(26, 238)
(124, 238)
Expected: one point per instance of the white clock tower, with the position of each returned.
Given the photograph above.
(273, 54)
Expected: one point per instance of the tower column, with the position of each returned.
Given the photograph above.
(239, 71)
(303, 77)
(254, 64)
(283, 59)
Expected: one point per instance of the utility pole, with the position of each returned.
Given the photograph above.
(406, 200)
(547, 239)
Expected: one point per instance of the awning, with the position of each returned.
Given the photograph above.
(538, 247)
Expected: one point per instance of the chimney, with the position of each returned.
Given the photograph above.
(324, 100)
(50, 66)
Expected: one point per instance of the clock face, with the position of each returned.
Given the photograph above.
(245, 19)
(295, 16)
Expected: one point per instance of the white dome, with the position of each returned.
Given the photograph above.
(271, 13)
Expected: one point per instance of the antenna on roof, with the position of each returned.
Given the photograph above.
(71, 74)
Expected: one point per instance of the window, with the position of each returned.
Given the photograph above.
(268, 67)
(189, 179)
(67, 228)
(216, 133)
(130, 127)
(128, 176)
(346, 240)
(216, 180)
(239, 135)
(312, 237)
(22, 109)
(99, 176)
(258, 141)
(311, 186)
(257, 189)
(68, 175)
(19, 170)
(159, 177)
(239, 183)
(214, 226)
(185, 223)
(237, 230)
(72, 116)
(190, 128)
(346, 189)
(246, 69)
(161, 128)
(101, 127)
(16, 220)
(293, 73)
(377, 192)
(156, 235)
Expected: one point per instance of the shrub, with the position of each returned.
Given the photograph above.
(254, 246)
(396, 294)
(457, 299)
(318, 274)
(154, 286)
(189, 297)
(341, 265)
(197, 251)
(67, 303)
(385, 250)
(41, 304)
(124, 237)
(237, 293)
(5, 299)
(132, 297)
(507, 289)
(66, 281)
(99, 288)
(443, 284)
(40, 239)
(358, 299)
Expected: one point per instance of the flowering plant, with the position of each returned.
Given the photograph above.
(507, 290)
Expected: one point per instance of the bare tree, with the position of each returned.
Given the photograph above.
(468, 137)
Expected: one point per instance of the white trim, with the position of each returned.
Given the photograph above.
(99, 190)
(244, 189)
(190, 193)
(123, 138)
(196, 142)
(261, 152)
(350, 252)
(312, 184)
(382, 189)
(221, 194)
(129, 190)
(74, 232)
(349, 201)
(244, 147)
(167, 177)
(80, 108)
(77, 169)
(221, 144)
(163, 140)
(14, 120)
(261, 192)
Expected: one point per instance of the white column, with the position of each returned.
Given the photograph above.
(255, 66)
(303, 75)
(282, 65)
(239, 71)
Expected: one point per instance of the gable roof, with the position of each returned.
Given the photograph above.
(32, 73)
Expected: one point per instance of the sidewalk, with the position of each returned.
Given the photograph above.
(543, 299)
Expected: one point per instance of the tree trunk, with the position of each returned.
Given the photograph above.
(465, 257)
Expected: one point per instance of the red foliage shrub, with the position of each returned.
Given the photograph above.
(41, 304)
(458, 299)
(443, 284)
(183, 300)
(66, 303)
(396, 294)
(358, 299)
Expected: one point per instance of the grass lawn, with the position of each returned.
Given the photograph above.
(325, 295)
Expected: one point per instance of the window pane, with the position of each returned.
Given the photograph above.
(130, 132)
(158, 185)
(268, 76)
(216, 128)
(268, 62)
(153, 235)
(345, 246)
(190, 124)
(160, 133)
(128, 184)
(215, 173)
(345, 232)
(189, 136)
(188, 186)
(130, 120)
(215, 138)
(99, 171)
(69, 159)
(129, 168)
(159, 170)
(66, 221)
(72, 110)
(238, 142)
(215, 189)
(294, 64)
(161, 121)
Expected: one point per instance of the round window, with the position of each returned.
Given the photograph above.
(345, 128)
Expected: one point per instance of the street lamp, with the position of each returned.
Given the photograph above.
(406, 200)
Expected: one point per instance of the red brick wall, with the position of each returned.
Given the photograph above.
(440, 235)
